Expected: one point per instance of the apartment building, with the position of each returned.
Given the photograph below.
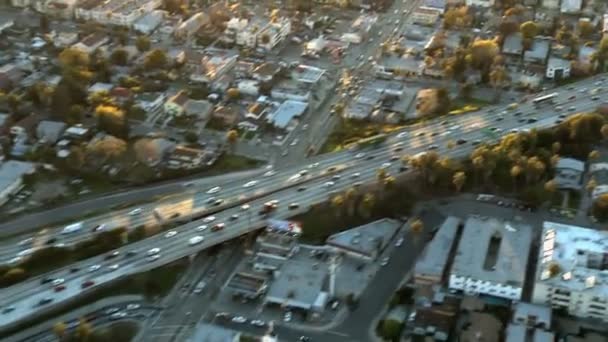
(480, 3)
(572, 271)
(115, 12)
(274, 33)
(257, 32)
(492, 258)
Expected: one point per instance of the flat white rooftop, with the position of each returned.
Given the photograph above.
(580, 253)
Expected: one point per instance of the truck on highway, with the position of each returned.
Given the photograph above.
(72, 228)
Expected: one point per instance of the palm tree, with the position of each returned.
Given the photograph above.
(556, 147)
(84, 329)
(349, 198)
(604, 131)
(389, 182)
(515, 173)
(458, 179)
(498, 77)
(555, 159)
(405, 160)
(417, 226)
(59, 330)
(368, 203)
(381, 174)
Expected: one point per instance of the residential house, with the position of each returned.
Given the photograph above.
(538, 52)
(571, 6)
(189, 27)
(392, 66)
(11, 177)
(425, 16)
(60, 8)
(599, 172)
(259, 109)
(115, 12)
(149, 22)
(249, 87)
(65, 39)
(551, 4)
(290, 90)
(25, 127)
(558, 68)
(513, 45)
(199, 108)
(569, 173)
(49, 132)
(585, 57)
(78, 133)
(435, 4)
(10, 76)
(228, 115)
(175, 104)
(266, 72)
(92, 42)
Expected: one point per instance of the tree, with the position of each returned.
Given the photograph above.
(550, 186)
(498, 78)
(591, 185)
(585, 29)
(555, 147)
(43, 23)
(156, 59)
(554, 269)
(390, 329)
(265, 39)
(457, 17)
(337, 202)
(594, 155)
(604, 131)
(119, 57)
(367, 204)
(84, 329)
(74, 114)
(417, 226)
(142, 43)
(112, 120)
(13, 102)
(59, 330)
(481, 55)
(233, 94)
(381, 174)
(528, 30)
(73, 58)
(458, 179)
(232, 137)
(107, 148)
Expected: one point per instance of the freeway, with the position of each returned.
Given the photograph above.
(195, 201)
(24, 298)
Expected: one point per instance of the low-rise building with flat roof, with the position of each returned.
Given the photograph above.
(569, 173)
(431, 266)
(532, 315)
(11, 177)
(492, 258)
(572, 270)
(366, 241)
(286, 112)
(307, 74)
(538, 52)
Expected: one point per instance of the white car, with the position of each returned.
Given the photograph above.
(118, 315)
(294, 142)
(359, 155)
(195, 240)
(399, 242)
(72, 228)
(152, 258)
(214, 190)
(94, 268)
(328, 184)
(402, 135)
(250, 184)
(287, 317)
(170, 234)
(201, 228)
(133, 306)
(386, 165)
(153, 251)
(384, 261)
(239, 319)
(356, 175)
(455, 127)
(258, 323)
(136, 211)
(58, 282)
(269, 173)
(209, 219)
(113, 267)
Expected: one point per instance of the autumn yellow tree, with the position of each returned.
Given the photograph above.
(417, 226)
(458, 179)
(232, 136)
(59, 330)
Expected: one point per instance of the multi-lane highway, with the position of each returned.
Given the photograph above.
(26, 297)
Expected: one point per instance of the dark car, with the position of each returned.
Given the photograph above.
(461, 141)
(45, 301)
(46, 280)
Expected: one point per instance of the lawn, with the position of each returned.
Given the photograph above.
(348, 132)
(232, 163)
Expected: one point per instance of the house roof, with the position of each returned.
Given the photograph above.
(180, 98)
(538, 51)
(513, 44)
(570, 163)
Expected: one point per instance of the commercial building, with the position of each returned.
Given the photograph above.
(569, 173)
(189, 27)
(11, 177)
(599, 172)
(274, 33)
(286, 112)
(571, 6)
(492, 258)
(149, 22)
(214, 333)
(425, 16)
(572, 270)
(430, 269)
(532, 315)
(365, 242)
(558, 68)
(115, 12)
(92, 42)
(307, 74)
(480, 3)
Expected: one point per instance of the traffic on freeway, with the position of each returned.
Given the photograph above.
(296, 191)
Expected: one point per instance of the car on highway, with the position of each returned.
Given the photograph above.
(234, 217)
(269, 173)
(94, 268)
(214, 190)
(359, 155)
(201, 228)
(245, 207)
(209, 219)
(433, 147)
(136, 211)
(153, 251)
(99, 228)
(170, 234)
(118, 315)
(72, 228)
(195, 240)
(293, 205)
(130, 254)
(384, 261)
(572, 109)
(287, 317)
(355, 175)
(250, 184)
(87, 283)
(239, 319)
(152, 258)
(8, 309)
(420, 134)
(59, 288)
(461, 141)
(218, 227)
(402, 135)
(133, 306)
(385, 165)
(258, 323)
(328, 184)
(300, 189)
(399, 242)
(44, 301)
(113, 267)
(218, 201)
(57, 281)
(112, 255)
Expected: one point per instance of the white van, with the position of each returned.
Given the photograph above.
(72, 228)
